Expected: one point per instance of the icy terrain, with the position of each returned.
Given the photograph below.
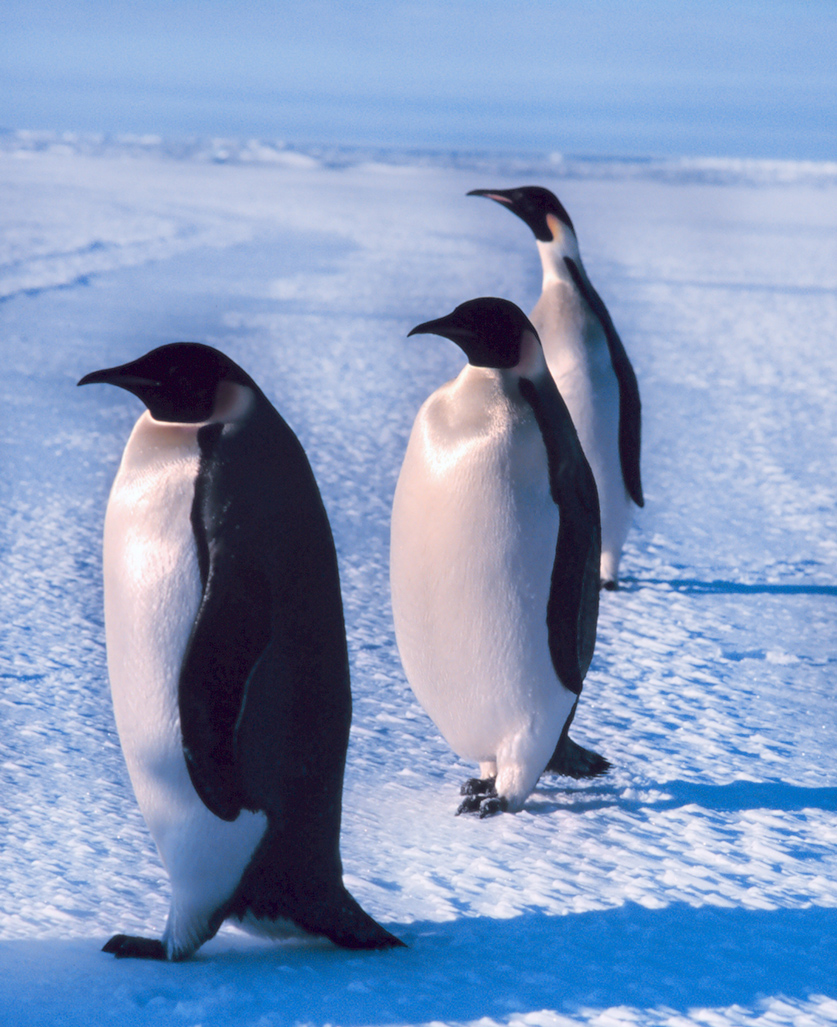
(697, 884)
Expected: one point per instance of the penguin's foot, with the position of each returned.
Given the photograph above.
(609, 584)
(485, 805)
(125, 946)
(478, 786)
(481, 797)
(573, 760)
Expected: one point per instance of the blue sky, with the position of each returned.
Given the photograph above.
(598, 77)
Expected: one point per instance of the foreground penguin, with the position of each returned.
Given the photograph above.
(227, 658)
(495, 557)
(588, 362)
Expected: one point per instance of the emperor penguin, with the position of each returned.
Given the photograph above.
(227, 658)
(494, 557)
(588, 362)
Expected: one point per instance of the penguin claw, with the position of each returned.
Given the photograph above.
(486, 803)
(478, 786)
(125, 946)
(493, 805)
(471, 804)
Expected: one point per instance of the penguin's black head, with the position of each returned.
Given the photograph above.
(178, 382)
(531, 203)
(488, 330)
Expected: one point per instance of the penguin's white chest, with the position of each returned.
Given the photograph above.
(576, 350)
(152, 594)
(474, 531)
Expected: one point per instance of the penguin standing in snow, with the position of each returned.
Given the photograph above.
(495, 556)
(227, 658)
(588, 362)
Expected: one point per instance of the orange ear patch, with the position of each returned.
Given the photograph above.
(555, 226)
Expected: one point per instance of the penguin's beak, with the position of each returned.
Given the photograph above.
(118, 376)
(447, 327)
(427, 328)
(493, 194)
(450, 327)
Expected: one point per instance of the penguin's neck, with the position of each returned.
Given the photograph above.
(552, 253)
(233, 402)
(153, 441)
(481, 384)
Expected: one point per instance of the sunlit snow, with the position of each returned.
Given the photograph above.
(697, 884)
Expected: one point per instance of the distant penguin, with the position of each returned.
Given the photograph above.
(227, 658)
(495, 553)
(588, 362)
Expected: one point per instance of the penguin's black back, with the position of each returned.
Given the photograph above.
(264, 693)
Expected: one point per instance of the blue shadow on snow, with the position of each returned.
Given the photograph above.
(734, 797)
(691, 586)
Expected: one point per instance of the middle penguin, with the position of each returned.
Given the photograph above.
(495, 556)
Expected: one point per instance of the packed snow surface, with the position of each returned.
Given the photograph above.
(693, 885)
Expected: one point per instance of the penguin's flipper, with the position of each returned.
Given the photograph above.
(630, 407)
(573, 607)
(230, 633)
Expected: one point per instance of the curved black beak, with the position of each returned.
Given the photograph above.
(449, 327)
(120, 376)
(499, 195)
(428, 327)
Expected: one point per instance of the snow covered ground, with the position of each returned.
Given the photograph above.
(697, 884)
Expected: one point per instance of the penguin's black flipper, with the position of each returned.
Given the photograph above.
(238, 498)
(630, 407)
(573, 607)
(231, 631)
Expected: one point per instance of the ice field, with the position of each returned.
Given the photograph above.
(697, 883)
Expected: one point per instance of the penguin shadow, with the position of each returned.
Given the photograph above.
(734, 797)
(692, 586)
(678, 957)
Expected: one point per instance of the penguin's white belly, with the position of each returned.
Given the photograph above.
(474, 531)
(579, 360)
(152, 594)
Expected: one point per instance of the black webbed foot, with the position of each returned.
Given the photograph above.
(478, 786)
(125, 946)
(573, 760)
(492, 805)
(481, 797)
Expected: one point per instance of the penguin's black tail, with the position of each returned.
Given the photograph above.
(352, 928)
(308, 891)
(572, 760)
